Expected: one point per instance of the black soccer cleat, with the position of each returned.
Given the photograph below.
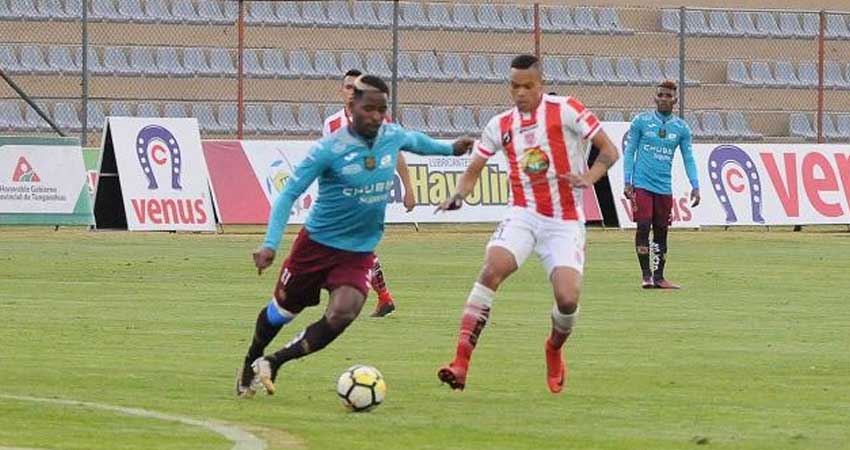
(383, 310)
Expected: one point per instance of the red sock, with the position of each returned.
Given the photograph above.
(380, 285)
(474, 319)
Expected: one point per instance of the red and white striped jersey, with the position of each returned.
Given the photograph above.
(541, 147)
(338, 120)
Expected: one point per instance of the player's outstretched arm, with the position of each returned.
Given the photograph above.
(608, 155)
(464, 185)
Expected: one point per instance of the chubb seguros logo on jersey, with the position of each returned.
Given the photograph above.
(731, 170)
(158, 152)
(278, 173)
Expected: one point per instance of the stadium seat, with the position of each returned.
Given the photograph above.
(602, 69)
(412, 15)
(60, 61)
(364, 15)
(842, 124)
(440, 18)
(743, 23)
(670, 21)
(488, 16)
(808, 74)
(314, 13)
(562, 20)
(412, 118)
(34, 121)
(613, 116)
(301, 65)
(168, 62)
(737, 123)
(339, 15)
(10, 116)
(712, 123)
(104, 10)
(92, 61)
(515, 18)
(429, 67)
(231, 11)
(228, 117)
(829, 130)
(650, 70)
(142, 62)
(184, 11)
(479, 68)
(211, 13)
(786, 74)
(95, 116)
(157, 11)
(9, 61)
(810, 25)
(257, 119)
(385, 13)
(350, 60)
(799, 126)
(737, 73)
(719, 23)
(484, 116)
(789, 25)
(609, 22)
(74, 9)
(66, 118)
(585, 20)
(310, 119)
(275, 63)
(287, 13)
(464, 121)
(132, 11)
(553, 70)
(766, 24)
(406, 68)
(195, 61)
(32, 60)
(377, 64)
(692, 119)
(147, 110)
(762, 76)
(627, 70)
(439, 122)
(546, 24)
(326, 66)
(283, 119)
(206, 118)
(120, 109)
(502, 66)
(261, 13)
(464, 18)
(252, 66)
(578, 71)
(695, 23)
(50, 9)
(174, 110)
(833, 77)
(836, 27)
(454, 68)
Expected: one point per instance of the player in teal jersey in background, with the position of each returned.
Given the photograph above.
(355, 168)
(647, 166)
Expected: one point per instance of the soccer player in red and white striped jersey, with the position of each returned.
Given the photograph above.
(545, 139)
(341, 119)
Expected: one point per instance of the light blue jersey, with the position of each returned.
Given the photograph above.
(354, 186)
(648, 158)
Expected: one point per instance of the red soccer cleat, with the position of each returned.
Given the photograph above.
(647, 283)
(556, 369)
(453, 375)
(664, 284)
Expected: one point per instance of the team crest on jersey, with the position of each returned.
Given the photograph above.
(535, 161)
(369, 163)
(530, 138)
(506, 138)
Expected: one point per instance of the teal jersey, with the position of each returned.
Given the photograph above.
(648, 158)
(354, 185)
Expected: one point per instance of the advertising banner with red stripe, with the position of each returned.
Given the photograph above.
(246, 177)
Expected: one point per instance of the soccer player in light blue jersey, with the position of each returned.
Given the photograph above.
(355, 168)
(647, 165)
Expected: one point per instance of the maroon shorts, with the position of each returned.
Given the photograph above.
(311, 267)
(651, 207)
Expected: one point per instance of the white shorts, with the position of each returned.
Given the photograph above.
(557, 243)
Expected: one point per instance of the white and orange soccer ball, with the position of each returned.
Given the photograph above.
(361, 388)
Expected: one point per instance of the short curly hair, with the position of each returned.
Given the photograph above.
(667, 84)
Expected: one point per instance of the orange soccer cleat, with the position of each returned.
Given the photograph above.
(453, 375)
(556, 369)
